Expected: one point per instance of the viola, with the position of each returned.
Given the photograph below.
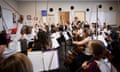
(72, 54)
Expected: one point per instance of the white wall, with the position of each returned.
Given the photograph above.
(13, 3)
(28, 8)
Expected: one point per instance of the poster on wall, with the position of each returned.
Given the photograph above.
(14, 18)
(44, 12)
(29, 21)
(29, 17)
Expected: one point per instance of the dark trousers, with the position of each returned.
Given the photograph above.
(23, 43)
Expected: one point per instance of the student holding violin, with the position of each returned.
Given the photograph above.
(77, 56)
(100, 61)
(85, 38)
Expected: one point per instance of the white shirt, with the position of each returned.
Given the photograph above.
(18, 34)
(105, 66)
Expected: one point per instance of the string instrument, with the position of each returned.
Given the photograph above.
(73, 53)
(108, 55)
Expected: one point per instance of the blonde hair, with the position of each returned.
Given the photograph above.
(16, 63)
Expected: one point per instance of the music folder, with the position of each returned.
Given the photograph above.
(44, 60)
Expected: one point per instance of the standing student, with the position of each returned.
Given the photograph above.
(23, 40)
(20, 34)
(86, 36)
(16, 63)
(75, 21)
(81, 54)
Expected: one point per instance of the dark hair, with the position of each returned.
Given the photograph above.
(4, 38)
(20, 20)
(43, 41)
(53, 29)
(109, 27)
(98, 48)
(61, 28)
(75, 17)
(86, 33)
(24, 29)
(16, 63)
(28, 30)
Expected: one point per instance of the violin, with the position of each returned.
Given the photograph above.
(76, 51)
(73, 53)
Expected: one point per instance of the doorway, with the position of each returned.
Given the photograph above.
(64, 17)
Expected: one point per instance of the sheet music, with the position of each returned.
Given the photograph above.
(12, 48)
(55, 43)
(101, 38)
(54, 61)
(15, 45)
(65, 35)
(36, 59)
(44, 61)
(55, 35)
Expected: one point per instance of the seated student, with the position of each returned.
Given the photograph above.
(16, 63)
(78, 54)
(100, 62)
(85, 38)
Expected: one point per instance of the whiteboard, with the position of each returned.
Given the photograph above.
(7, 18)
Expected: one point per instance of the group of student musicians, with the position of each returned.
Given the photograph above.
(94, 48)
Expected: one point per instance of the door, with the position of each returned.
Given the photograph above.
(64, 17)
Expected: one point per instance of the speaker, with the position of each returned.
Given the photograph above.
(72, 7)
(87, 9)
(51, 9)
(0, 12)
(100, 6)
(111, 8)
(60, 9)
